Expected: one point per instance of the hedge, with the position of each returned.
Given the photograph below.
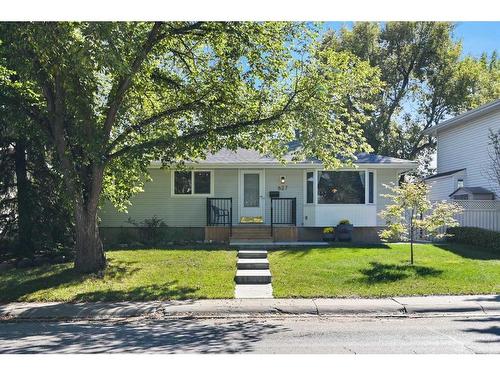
(475, 236)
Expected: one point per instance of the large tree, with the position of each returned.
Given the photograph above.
(112, 97)
(426, 80)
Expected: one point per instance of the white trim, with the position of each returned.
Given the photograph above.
(193, 193)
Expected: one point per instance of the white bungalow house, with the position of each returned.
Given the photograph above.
(463, 159)
(244, 194)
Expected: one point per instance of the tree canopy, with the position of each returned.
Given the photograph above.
(426, 80)
(111, 97)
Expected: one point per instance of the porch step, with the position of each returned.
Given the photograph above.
(252, 232)
(253, 264)
(252, 254)
(253, 277)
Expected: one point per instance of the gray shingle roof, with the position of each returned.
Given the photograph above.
(244, 156)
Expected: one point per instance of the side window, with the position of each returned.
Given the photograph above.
(371, 187)
(310, 187)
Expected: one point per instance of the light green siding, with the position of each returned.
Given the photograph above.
(188, 211)
(294, 189)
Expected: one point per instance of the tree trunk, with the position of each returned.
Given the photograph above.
(90, 256)
(24, 208)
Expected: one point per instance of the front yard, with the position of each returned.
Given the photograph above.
(132, 275)
(361, 271)
(377, 271)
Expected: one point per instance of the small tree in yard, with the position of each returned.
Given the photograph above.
(412, 210)
(494, 171)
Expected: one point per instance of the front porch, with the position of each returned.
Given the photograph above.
(222, 226)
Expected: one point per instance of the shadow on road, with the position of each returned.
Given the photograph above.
(491, 332)
(161, 337)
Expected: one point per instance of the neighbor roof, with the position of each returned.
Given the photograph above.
(473, 190)
(449, 173)
(464, 117)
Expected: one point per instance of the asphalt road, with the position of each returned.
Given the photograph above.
(465, 334)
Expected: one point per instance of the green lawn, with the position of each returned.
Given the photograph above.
(384, 270)
(132, 275)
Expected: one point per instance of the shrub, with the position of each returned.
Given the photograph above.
(344, 222)
(328, 230)
(475, 236)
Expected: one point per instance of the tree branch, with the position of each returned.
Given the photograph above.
(226, 129)
(123, 83)
(150, 120)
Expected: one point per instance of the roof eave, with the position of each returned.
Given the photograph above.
(464, 117)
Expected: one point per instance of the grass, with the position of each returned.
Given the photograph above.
(132, 275)
(384, 270)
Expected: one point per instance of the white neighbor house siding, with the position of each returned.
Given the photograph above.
(466, 146)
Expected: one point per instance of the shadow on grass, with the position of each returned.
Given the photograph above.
(19, 283)
(383, 273)
(351, 246)
(166, 291)
(470, 252)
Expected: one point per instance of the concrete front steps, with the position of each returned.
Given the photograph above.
(253, 277)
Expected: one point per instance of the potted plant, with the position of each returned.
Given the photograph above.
(344, 230)
(329, 234)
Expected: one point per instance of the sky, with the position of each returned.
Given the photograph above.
(476, 37)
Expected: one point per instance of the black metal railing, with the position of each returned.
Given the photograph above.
(283, 211)
(220, 212)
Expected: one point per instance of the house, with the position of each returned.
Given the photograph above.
(243, 194)
(463, 156)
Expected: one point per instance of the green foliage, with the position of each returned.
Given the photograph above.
(344, 222)
(426, 80)
(411, 210)
(150, 230)
(131, 93)
(328, 230)
(480, 237)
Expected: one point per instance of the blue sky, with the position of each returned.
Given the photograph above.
(477, 37)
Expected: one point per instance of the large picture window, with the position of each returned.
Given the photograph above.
(192, 183)
(341, 187)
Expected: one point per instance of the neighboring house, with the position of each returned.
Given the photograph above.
(463, 159)
(232, 194)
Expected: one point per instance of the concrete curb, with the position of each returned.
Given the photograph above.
(396, 306)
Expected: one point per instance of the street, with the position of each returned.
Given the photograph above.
(355, 335)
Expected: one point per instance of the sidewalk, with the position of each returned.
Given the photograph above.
(396, 306)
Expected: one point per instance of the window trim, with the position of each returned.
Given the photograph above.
(193, 192)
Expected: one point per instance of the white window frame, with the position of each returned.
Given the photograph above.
(367, 190)
(193, 192)
(315, 186)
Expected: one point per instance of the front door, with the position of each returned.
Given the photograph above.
(252, 196)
